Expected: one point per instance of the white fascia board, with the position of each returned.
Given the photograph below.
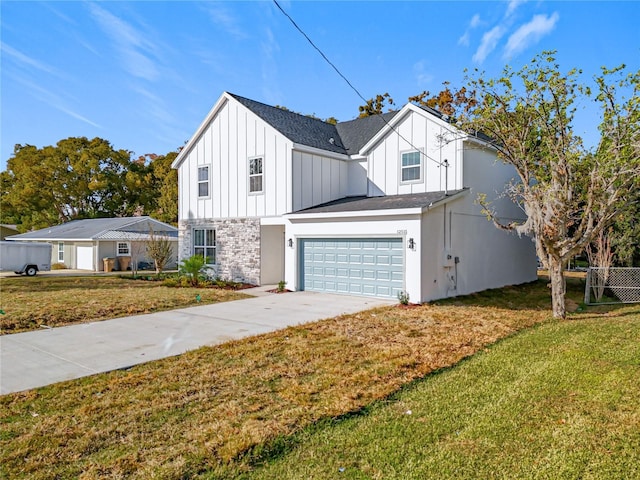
(224, 98)
(319, 151)
(384, 131)
(279, 220)
(356, 214)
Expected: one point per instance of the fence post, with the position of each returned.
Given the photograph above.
(587, 287)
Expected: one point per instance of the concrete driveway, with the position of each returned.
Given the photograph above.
(35, 359)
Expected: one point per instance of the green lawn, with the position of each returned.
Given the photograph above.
(561, 401)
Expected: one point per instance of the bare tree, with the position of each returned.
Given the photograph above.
(600, 256)
(159, 249)
(137, 250)
(569, 194)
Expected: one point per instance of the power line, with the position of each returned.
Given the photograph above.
(441, 164)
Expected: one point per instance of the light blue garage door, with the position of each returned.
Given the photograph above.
(356, 266)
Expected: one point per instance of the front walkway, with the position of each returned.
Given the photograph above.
(35, 359)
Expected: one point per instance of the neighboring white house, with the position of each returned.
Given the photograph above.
(372, 206)
(84, 244)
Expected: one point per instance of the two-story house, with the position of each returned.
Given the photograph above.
(373, 206)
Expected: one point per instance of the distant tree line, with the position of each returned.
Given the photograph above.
(80, 178)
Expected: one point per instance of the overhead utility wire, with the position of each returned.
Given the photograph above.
(441, 164)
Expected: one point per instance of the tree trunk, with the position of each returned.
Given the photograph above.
(558, 287)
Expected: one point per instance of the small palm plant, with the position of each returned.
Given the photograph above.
(192, 268)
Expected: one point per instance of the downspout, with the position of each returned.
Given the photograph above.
(446, 177)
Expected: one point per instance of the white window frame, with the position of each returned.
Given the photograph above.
(206, 182)
(60, 252)
(120, 254)
(420, 167)
(251, 176)
(202, 246)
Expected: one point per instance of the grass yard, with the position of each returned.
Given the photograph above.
(45, 301)
(308, 401)
(561, 401)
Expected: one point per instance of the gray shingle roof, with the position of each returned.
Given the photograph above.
(388, 202)
(356, 133)
(93, 228)
(348, 137)
(301, 129)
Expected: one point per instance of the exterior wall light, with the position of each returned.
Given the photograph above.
(411, 244)
(291, 243)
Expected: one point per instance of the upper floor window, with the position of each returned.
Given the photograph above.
(203, 181)
(123, 249)
(411, 168)
(255, 175)
(60, 252)
(204, 244)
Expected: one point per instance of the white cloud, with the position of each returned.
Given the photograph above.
(423, 77)
(530, 33)
(464, 39)
(512, 6)
(221, 16)
(134, 46)
(25, 60)
(473, 23)
(489, 42)
(53, 100)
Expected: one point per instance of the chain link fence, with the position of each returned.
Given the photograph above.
(612, 285)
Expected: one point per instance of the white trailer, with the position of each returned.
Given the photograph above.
(25, 257)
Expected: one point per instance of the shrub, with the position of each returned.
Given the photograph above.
(403, 298)
(281, 285)
(192, 268)
(58, 266)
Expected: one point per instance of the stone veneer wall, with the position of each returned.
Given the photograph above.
(237, 246)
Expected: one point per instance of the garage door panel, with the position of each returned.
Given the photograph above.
(356, 266)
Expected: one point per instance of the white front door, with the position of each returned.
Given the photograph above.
(84, 258)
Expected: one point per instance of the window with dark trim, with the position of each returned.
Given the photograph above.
(204, 244)
(203, 181)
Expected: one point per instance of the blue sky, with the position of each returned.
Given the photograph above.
(143, 75)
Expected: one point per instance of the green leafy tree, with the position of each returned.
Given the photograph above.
(77, 178)
(625, 238)
(569, 194)
(165, 181)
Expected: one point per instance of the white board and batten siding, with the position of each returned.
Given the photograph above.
(318, 179)
(431, 136)
(232, 137)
